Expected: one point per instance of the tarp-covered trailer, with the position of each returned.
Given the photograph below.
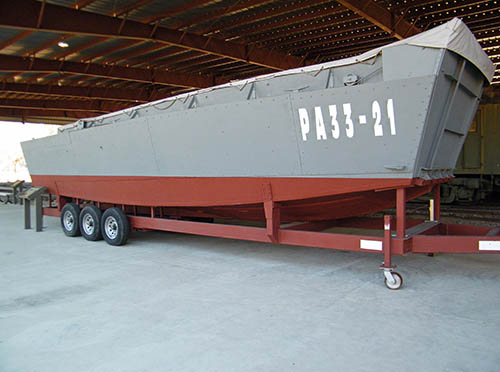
(301, 150)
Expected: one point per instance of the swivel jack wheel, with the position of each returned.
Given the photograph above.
(392, 280)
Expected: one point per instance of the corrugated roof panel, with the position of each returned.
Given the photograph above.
(100, 49)
(186, 18)
(30, 43)
(121, 53)
(67, 3)
(152, 56)
(261, 11)
(153, 9)
(108, 7)
(159, 55)
(7, 34)
(74, 42)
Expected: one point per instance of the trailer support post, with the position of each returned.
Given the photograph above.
(401, 213)
(387, 243)
(393, 280)
(437, 202)
(272, 212)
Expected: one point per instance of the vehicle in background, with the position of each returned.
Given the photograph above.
(478, 167)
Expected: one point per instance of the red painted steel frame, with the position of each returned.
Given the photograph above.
(387, 243)
(415, 236)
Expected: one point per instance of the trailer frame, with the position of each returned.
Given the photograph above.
(401, 235)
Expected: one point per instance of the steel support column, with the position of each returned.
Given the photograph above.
(400, 213)
(387, 243)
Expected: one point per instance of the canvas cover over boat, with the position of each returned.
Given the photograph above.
(327, 141)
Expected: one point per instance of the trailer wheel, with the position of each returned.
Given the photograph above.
(115, 226)
(398, 281)
(70, 219)
(90, 223)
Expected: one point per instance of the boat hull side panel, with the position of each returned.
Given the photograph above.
(302, 198)
(255, 138)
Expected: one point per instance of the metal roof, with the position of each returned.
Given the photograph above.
(121, 53)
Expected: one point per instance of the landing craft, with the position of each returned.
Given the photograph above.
(332, 140)
(322, 142)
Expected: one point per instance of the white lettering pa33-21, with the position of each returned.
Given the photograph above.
(340, 123)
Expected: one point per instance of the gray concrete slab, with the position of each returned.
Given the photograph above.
(172, 302)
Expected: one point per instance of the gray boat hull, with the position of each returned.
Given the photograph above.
(396, 119)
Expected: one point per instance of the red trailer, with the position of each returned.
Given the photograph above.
(400, 235)
(298, 151)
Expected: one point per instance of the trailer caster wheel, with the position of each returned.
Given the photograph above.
(395, 280)
(115, 226)
(70, 215)
(90, 223)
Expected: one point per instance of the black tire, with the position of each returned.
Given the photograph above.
(90, 223)
(70, 217)
(115, 226)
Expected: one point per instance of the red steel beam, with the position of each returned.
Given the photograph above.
(333, 52)
(40, 14)
(206, 17)
(394, 24)
(137, 52)
(132, 95)
(286, 19)
(451, 244)
(10, 63)
(23, 15)
(65, 105)
(354, 45)
(281, 9)
(127, 44)
(453, 8)
(55, 41)
(330, 37)
(235, 8)
(301, 24)
(303, 31)
(24, 114)
(258, 234)
(130, 43)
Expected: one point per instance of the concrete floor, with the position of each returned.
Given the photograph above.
(171, 302)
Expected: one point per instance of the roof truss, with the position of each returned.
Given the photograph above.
(25, 14)
(383, 18)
